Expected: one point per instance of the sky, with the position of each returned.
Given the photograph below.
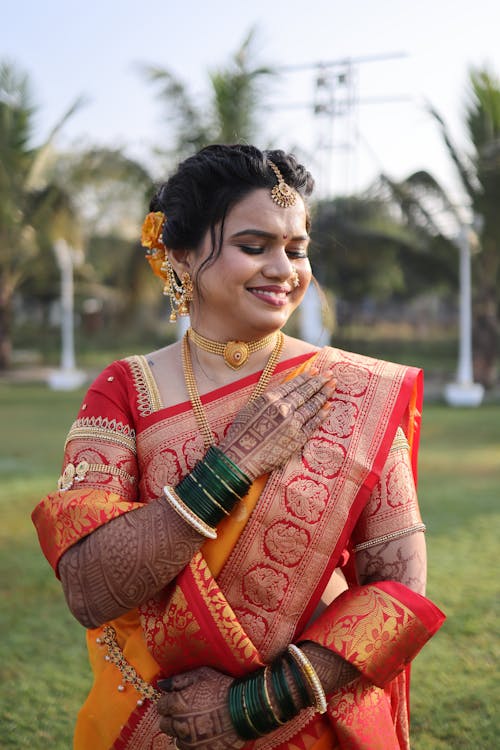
(403, 54)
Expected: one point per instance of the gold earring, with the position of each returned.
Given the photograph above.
(294, 277)
(180, 294)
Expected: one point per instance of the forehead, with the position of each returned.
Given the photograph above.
(258, 211)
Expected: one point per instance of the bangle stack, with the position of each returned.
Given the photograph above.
(250, 705)
(209, 492)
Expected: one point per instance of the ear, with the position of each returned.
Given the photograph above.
(182, 261)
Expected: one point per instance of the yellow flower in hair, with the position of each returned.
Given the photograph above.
(152, 229)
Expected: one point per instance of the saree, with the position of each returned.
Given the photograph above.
(257, 585)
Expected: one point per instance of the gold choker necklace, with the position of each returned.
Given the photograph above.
(235, 353)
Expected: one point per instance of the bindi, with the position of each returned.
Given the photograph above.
(285, 236)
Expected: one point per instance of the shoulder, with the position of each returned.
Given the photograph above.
(296, 347)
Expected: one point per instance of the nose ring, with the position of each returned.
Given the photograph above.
(294, 277)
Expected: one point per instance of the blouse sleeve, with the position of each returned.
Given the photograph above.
(392, 510)
(100, 475)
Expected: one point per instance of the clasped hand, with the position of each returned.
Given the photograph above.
(267, 431)
(194, 710)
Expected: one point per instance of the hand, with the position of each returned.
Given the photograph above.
(267, 431)
(194, 710)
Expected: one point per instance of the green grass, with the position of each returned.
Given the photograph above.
(44, 674)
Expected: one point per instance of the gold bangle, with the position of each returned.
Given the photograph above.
(312, 678)
(389, 537)
(187, 514)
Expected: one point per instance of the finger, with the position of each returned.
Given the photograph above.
(305, 382)
(312, 406)
(310, 390)
(177, 682)
(315, 422)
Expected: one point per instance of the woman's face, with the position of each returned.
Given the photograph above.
(248, 291)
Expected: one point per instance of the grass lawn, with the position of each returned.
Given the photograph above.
(43, 669)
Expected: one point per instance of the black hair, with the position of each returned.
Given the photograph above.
(206, 186)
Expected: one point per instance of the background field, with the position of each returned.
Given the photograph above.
(43, 669)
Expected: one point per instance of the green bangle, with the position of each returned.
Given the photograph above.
(284, 698)
(300, 681)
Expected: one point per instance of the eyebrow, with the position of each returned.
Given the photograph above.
(267, 235)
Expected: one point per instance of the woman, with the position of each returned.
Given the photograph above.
(213, 490)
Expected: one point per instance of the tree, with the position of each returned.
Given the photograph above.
(233, 101)
(46, 195)
(430, 210)
(362, 249)
(31, 206)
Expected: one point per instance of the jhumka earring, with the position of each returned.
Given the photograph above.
(294, 276)
(180, 294)
(282, 194)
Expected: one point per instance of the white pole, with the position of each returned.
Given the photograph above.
(464, 370)
(464, 392)
(67, 377)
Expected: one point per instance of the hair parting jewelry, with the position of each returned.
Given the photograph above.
(282, 194)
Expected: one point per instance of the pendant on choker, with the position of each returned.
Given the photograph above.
(234, 353)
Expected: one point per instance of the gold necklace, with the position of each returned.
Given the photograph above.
(235, 353)
(192, 388)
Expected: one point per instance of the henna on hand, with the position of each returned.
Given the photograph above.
(125, 562)
(194, 709)
(267, 431)
(402, 560)
(333, 671)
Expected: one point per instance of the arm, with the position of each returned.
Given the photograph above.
(393, 542)
(132, 557)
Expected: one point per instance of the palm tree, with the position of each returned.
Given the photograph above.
(46, 196)
(430, 210)
(234, 98)
(30, 205)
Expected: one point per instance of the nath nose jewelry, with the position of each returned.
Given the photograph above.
(294, 276)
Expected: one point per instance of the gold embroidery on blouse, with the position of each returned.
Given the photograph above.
(148, 395)
(79, 472)
(102, 428)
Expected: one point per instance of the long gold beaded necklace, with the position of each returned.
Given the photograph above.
(192, 388)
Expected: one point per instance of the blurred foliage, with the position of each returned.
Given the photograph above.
(395, 242)
(431, 213)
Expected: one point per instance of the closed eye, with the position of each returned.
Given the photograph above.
(251, 249)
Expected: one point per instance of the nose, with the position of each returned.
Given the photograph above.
(279, 266)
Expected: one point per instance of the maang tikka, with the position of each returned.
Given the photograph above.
(180, 292)
(282, 194)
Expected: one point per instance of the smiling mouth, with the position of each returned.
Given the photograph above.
(276, 297)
